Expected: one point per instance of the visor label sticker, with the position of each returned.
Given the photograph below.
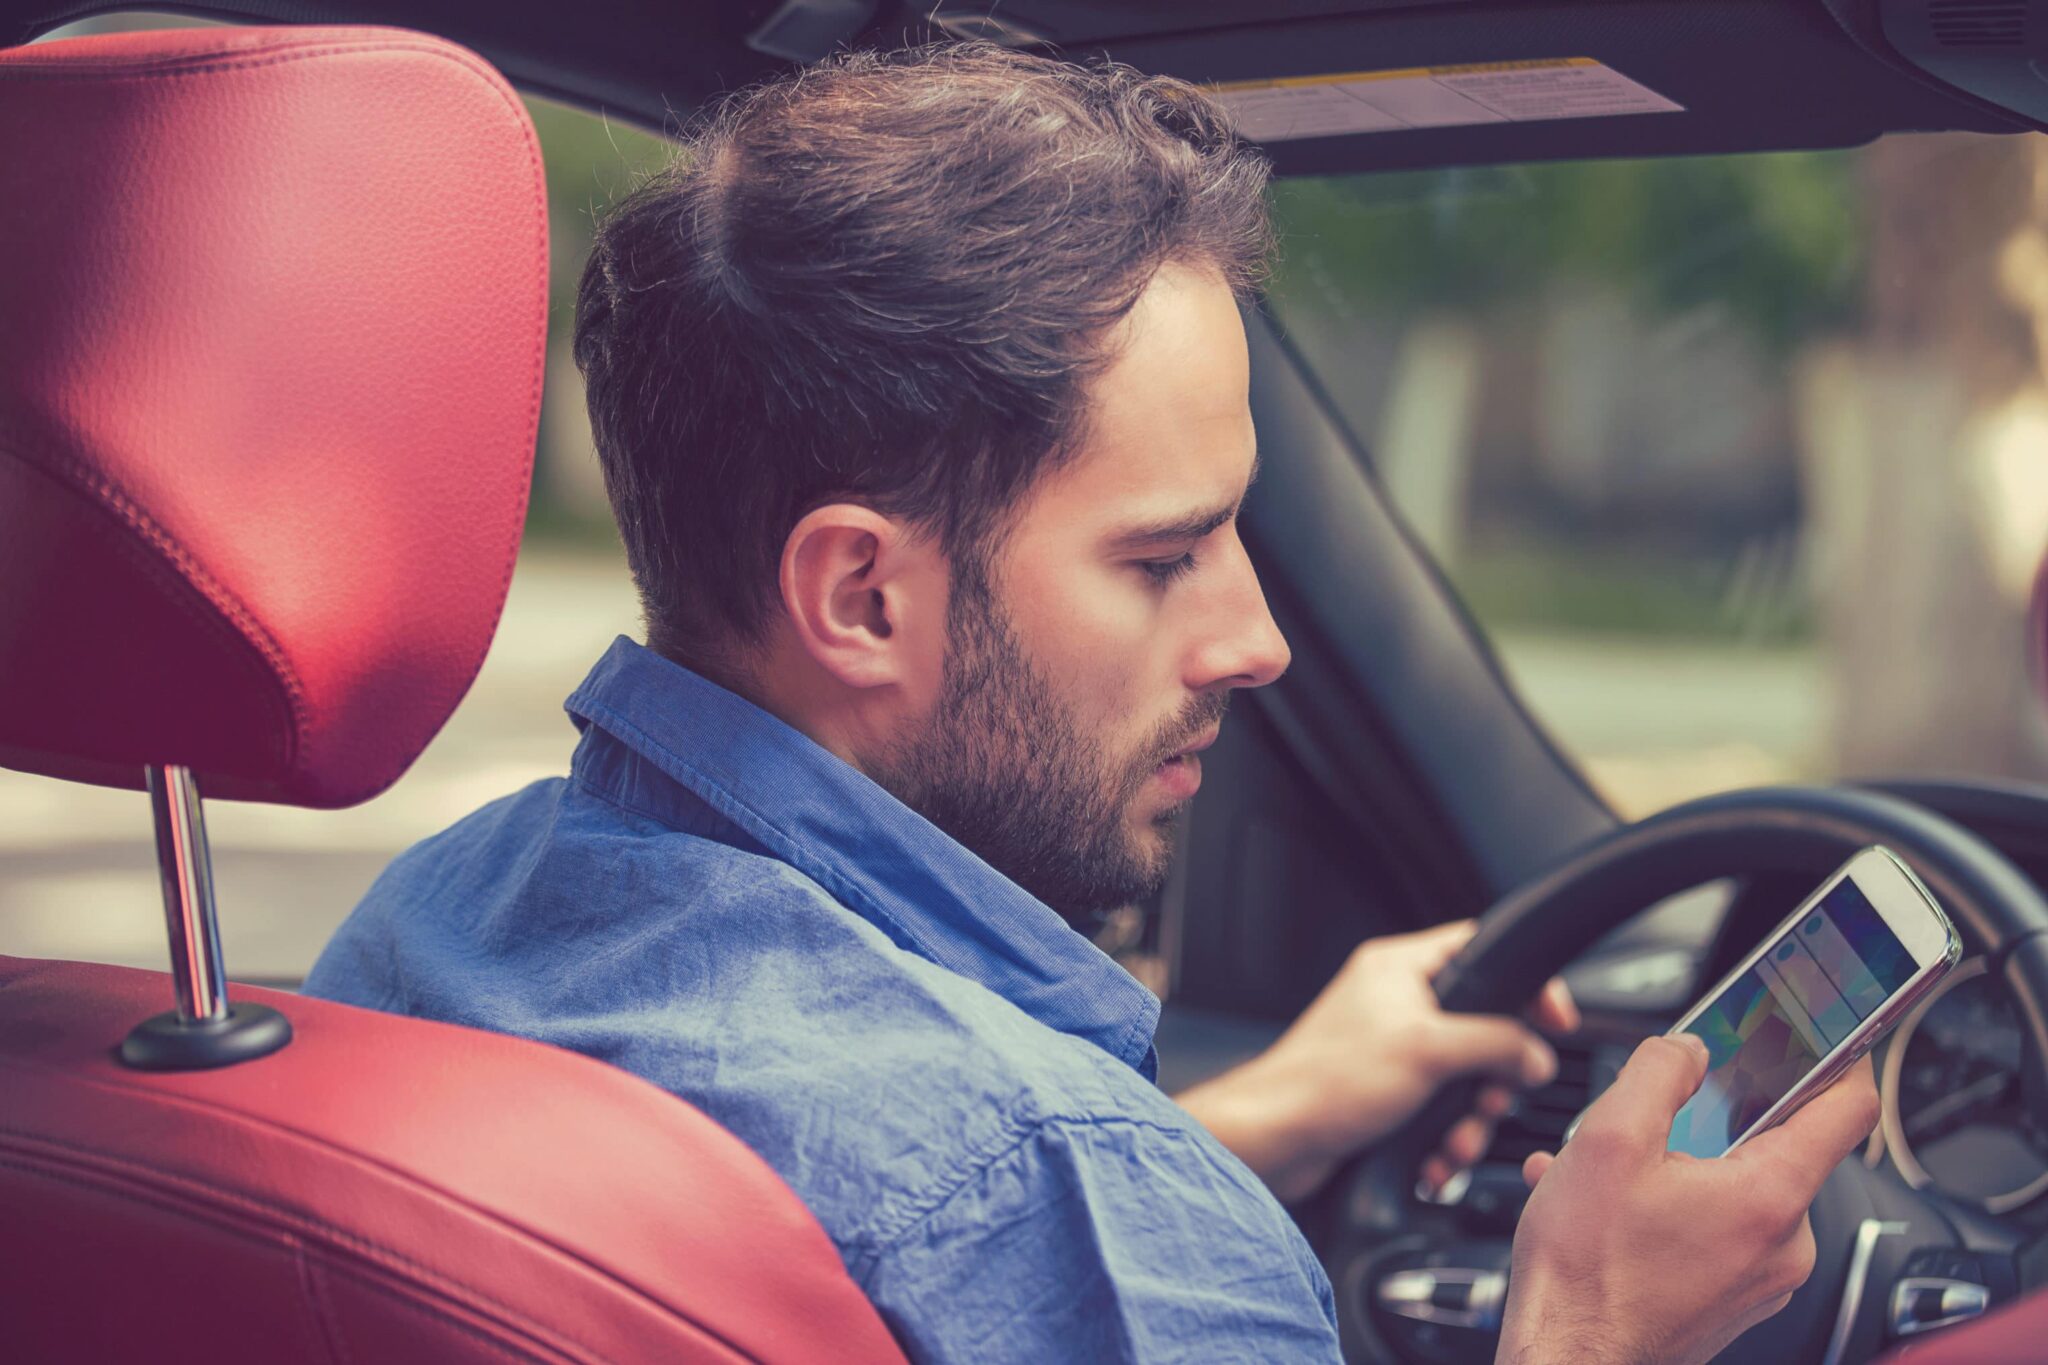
(1434, 97)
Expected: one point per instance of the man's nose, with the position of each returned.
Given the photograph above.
(1247, 649)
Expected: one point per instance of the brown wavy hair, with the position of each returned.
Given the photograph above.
(887, 279)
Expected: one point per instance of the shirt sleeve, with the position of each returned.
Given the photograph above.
(1105, 1240)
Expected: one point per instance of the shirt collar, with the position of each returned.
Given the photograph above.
(872, 853)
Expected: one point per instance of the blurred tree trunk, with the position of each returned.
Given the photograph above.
(1423, 445)
(1924, 446)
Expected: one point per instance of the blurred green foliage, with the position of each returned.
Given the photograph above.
(1773, 246)
(1775, 239)
(1535, 584)
(592, 160)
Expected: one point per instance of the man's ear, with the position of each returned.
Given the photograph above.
(859, 587)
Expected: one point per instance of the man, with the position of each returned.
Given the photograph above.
(920, 386)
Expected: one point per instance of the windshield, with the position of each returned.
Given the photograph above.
(1742, 462)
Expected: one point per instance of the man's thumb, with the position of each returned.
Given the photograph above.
(1656, 1083)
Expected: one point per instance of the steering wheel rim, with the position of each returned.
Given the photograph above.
(1539, 928)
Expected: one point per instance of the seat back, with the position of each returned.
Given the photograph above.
(383, 1189)
(276, 317)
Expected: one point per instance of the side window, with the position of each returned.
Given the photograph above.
(1741, 461)
(77, 867)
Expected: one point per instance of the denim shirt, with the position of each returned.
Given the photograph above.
(956, 1084)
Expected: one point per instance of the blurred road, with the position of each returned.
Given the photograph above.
(1657, 723)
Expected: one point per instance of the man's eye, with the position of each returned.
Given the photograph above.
(1166, 570)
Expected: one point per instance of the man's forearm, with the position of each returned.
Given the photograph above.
(1534, 1334)
(1257, 1111)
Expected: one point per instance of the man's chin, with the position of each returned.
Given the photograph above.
(1153, 843)
(1158, 817)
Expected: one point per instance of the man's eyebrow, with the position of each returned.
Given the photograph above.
(1191, 527)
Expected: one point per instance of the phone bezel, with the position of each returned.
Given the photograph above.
(1910, 911)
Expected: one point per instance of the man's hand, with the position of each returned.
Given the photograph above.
(1367, 1054)
(1629, 1254)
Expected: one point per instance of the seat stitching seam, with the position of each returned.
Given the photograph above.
(26, 1142)
(325, 1325)
(163, 1183)
(383, 1286)
(173, 564)
(496, 83)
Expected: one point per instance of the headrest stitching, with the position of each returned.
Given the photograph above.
(255, 57)
(112, 500)
(252, 58)
(539, 385)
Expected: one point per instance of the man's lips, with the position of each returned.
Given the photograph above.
(1181, 774)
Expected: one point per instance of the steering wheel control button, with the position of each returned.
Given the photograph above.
(1489, 1197)
(1995, 1272)
(1442, 1306)
(1447, 1296)
(1922, 1304)
(1450, 1194)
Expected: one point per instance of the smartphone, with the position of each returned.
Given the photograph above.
(1814, 996)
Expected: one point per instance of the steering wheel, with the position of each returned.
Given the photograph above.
(1414, 1282)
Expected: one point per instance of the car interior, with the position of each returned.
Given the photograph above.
(265, 462)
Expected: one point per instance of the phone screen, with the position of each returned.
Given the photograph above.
(1777, 1020)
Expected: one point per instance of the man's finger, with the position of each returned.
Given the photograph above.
(1488, 1044)
(1659, 1078)
(1432, 948)
(1826, 1128)
(1466, 1142)
(1535, 1166)
(1555, 1011)
(1494, 1102)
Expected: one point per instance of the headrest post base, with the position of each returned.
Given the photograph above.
(204, 1031)
(164, 1042)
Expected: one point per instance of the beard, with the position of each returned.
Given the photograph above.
(1006, 769)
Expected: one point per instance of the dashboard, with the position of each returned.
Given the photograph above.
(1955, 1078)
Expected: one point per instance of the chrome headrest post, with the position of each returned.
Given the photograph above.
(204, 1031)
(186, 869)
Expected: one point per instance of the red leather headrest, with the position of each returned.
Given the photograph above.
(275, 308)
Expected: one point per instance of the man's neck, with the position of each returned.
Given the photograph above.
(786, 683)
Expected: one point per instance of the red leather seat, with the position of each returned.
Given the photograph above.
(2007, 1336)
(382, 1189)
(275, 307)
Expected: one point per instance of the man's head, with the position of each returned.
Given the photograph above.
(920, 388)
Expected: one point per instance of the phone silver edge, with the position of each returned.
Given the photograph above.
(1935, 946)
